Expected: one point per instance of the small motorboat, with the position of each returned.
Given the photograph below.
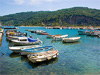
(43, 56)
(70, 40)
(39, 32)
(36, 50)
(17, 49)
(51, 36)
(59, 37)
(26, 41)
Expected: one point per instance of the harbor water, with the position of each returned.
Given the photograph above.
(80, 58)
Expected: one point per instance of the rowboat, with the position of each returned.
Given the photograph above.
(26, 41)
(59, 37)
(70, 40)
(50, 36)
(36, 50)
(43, 56)
(17, 49)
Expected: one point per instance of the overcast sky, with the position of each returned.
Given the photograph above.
(16, 6)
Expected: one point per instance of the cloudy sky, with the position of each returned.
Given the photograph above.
(15, 6)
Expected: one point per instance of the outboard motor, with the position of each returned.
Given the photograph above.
(31, 36)
(25, 34)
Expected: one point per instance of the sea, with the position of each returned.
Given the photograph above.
(80, 58)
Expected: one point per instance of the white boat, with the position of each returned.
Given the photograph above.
(26, 41)
(72, 39)
(13, 37)
(43, 56)
(59, 37)
(18, 49)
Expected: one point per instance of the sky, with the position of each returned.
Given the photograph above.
(15, 6)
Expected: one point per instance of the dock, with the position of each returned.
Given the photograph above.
(1, 34)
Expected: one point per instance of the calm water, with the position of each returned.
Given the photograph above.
(81, 58)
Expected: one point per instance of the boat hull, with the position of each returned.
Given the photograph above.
(36, 50)
(81, 33)
(18, 49)
(71, 40)
(41, 58)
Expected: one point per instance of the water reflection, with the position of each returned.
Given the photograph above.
(72, 43)
(52, 41)
(24, 59)
(34, 65)
(14, 55)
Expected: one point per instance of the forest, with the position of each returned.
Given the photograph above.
(76, 16)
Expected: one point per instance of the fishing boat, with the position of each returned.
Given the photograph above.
(59, 37)
(18, 49)
(70, 40)
(26, 41)
(44, 33)
(15, 33)
(43, 56)
(36, 50)
(50, 36)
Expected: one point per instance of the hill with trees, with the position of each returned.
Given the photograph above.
(76, 16)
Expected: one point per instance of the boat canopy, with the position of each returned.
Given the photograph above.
(31, 40)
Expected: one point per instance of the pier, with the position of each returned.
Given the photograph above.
(1, 34)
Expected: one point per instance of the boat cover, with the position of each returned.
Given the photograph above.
(32, 40)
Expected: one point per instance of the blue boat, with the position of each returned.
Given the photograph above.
(36, 50)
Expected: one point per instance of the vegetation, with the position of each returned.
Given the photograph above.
(77, 16)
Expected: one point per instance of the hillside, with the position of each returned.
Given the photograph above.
(72, 16)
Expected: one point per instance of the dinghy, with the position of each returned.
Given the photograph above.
(17, 49)
(70, 40)
(59, 37)
(43, 56)
(26, 41)
(36, 50)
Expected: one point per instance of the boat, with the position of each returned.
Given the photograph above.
(36, 50)
(26, 41)
(18, 49)
(71, 39)
(14, 33)
(43, 56)
(81, 32)
(59, 37)
(95, 33)
(44, 33)
(50, 36)
(39, 32)
(9, 38)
